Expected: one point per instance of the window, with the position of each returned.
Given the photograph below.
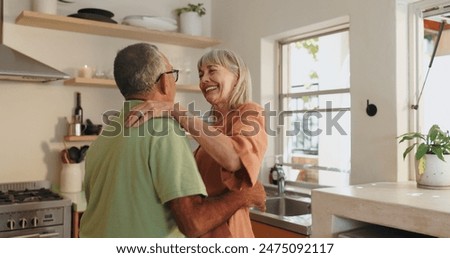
(434, 101)
(314, 104)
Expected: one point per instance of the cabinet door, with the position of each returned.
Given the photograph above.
(262, 230)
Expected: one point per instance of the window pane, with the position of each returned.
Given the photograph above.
(436, 90)
(321, 133)
(328, 101)
(320, 63)
(315, 103)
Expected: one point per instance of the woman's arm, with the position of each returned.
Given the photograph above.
(218, 145)
(215, 143)
(147, 110)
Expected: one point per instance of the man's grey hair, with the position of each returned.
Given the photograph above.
(136, 68)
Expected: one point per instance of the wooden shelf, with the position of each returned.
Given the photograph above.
(79, 81)
(83, 138)
(107, 83)
(64, 23)
(188, 88)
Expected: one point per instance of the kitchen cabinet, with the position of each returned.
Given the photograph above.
(49, 21)
(76, 217)
(78, 208)
(262, 230)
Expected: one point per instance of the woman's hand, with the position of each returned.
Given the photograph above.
(256, 196)
(147, 110)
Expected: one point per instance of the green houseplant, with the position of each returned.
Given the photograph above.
(197, 8)
(432, 170)
(190, 18)
(435, 142)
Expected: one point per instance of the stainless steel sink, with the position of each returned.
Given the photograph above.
(290, 211)
(283, 206)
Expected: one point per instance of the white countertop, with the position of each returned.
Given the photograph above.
(398, 205)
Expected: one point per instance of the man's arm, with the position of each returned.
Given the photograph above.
(196, 215)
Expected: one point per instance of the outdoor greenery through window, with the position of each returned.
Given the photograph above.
(314, 101)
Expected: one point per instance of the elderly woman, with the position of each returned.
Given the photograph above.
(231, 147)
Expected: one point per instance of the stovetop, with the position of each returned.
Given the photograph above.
(28, 195)
(33, 209)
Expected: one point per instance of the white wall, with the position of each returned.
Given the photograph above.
(33, 114)
(378, 43)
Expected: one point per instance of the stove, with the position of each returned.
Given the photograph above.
(31, 209)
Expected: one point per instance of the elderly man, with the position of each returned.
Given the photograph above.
(144, 182)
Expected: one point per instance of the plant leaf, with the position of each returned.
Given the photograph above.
(433, 133)
(408, 150)
(421, 165)
(421, 151)
(438, 151)
(410, 136)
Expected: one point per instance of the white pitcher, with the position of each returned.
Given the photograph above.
(71, 178)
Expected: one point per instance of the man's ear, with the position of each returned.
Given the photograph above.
(163, 84)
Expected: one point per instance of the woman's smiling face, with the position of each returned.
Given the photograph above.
(217, 83)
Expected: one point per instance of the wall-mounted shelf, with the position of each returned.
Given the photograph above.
(107, 83)
(82, 138)
(79, 81)
(57, 22)
(188, 88)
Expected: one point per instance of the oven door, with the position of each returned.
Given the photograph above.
(44, 232)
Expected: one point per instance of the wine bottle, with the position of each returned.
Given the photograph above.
(78, 114)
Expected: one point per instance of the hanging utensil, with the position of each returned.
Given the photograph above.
(82, 153)
(65, 156)
(74, 154)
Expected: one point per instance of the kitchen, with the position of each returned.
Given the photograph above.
(35, 114)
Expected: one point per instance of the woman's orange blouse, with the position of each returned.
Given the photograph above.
(245, 126)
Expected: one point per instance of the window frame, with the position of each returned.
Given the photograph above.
(416, 34)
(328, 29)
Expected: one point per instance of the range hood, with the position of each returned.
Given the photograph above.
(19, 67)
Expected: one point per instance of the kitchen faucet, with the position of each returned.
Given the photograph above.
(280, 177)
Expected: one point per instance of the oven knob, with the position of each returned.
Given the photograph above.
(34, 222)
(23, 223)
(11, 224)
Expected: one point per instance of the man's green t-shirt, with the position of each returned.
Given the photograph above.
(131, 173)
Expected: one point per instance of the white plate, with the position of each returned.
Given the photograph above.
(151, 22)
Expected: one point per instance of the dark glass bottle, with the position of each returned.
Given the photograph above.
(78, 113)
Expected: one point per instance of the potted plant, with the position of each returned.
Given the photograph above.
(432, 169)
(190, 18)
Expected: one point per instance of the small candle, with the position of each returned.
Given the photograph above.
(85, 72)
